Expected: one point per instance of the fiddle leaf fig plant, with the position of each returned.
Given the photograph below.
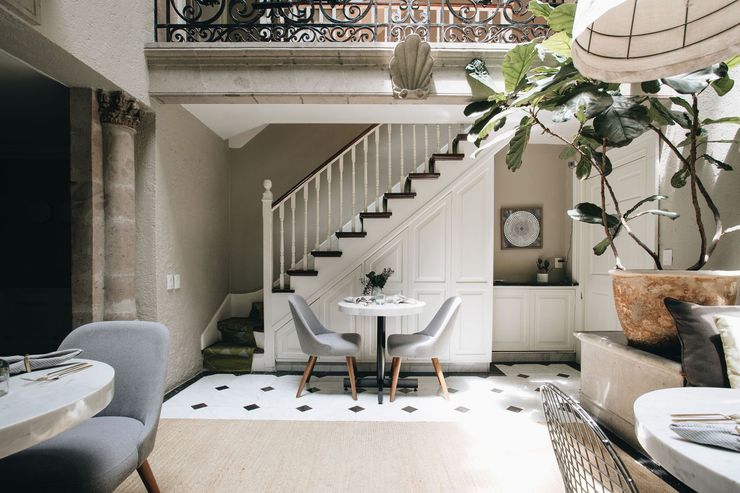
(541, 85)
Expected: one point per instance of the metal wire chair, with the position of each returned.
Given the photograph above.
(587, 459)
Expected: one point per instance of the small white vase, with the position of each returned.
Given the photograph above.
(543, 277)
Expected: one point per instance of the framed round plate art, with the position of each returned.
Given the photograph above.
(521, 227)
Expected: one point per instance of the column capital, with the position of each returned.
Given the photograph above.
(119, 108)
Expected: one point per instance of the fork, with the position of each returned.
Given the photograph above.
(705, 417)
(55, 375)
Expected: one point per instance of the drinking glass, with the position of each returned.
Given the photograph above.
(380, 298)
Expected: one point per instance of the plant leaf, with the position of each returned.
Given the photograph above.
(694, 82)
(682, 102)
(678, 180)
(481, 84)
(723, 85)
(567, 153)
(651, 198)
(517, 63)
(680, 117)
(650, 86)
(717, 162)
(733, 62)
(625, 120)
(583, 168)
(561, 18)
(540, 9)
(558, 43)
(586, 212)
(477, 108)
(593, 102)
(726, 119)
(657, 212)
(519, 143)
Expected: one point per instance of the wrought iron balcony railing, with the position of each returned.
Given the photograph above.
(456, 21)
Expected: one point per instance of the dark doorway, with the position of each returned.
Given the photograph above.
(35, 300)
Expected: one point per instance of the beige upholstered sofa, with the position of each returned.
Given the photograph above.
(614, 374)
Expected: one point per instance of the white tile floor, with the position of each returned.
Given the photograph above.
(513, 396)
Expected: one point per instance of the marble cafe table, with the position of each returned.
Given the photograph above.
(33, 412)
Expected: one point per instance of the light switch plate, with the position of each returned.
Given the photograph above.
(667, 257)
(170, 282)
(177, 281)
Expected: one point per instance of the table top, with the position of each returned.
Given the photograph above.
(384, 310)
(703, 468)
(33, 412)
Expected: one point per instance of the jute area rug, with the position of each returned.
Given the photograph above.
(287, 456)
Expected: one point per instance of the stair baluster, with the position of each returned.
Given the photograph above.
(318, 212)
(390, 158)
(281, 212)
(328, 207)
(364, 149)
(426, 146)
(402, 175)
(341, 194)
(449, 138)
(377, 168)
(305, 227)
(415, 163)
(354, 182)
(292, 231)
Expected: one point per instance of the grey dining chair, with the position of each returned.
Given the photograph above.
(588, 462)
(425, 344)
(316, 340)
(99, 454)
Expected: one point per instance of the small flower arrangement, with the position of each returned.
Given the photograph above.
(543, 266)
(373, 281)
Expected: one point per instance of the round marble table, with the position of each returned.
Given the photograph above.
(703, 468)
(381, 311)
(36, 411)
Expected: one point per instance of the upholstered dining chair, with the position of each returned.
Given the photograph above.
(99, 454)
(425, 344)
(316, 340)
(588, 462)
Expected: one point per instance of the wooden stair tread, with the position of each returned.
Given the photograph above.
(326, 253)
(423, 176)
(448, 157)
(300, 272)
(284, 290)
(351, 234)
(375, 215)
(400, 195)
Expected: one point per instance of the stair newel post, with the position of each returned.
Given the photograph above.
(281, 214)
(292, 231)
(318, 210)
(390, 157)
(364, 150)
(305, 227)
(267, 273)
(328, 206)
(341, 194)
(377, 169)
(402, 149)
(354, 182)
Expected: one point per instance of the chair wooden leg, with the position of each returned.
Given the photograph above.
(306, 374)
(396, 368)
(352, 379)
(440, 377)
(147, 477)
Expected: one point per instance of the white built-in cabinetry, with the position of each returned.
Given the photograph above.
(533, 318)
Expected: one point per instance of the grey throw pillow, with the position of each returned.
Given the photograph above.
(702, 355)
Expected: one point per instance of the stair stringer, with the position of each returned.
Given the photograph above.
(334, 271)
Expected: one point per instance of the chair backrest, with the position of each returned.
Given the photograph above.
(307, 326)
(587, 459)
(137, 351)
(444, 319)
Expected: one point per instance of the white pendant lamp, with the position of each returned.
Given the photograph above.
(637, 40)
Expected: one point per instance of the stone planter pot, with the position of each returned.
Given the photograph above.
(639, 295)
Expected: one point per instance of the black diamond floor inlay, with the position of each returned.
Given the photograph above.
(199, 406)
(266, 389)
(223, 387)
(251, 407)
(409, 409)
(498, 391)
(564, 375)
(537, 389)
(462, 409)
(356, 409)
(304, 408)
(514, 409)
(405, 390)
(313, 389)
(523, 375)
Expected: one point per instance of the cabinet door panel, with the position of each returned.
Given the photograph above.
(511, 320)
(553, 320)
(471, 340)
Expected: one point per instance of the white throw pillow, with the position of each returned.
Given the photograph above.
(729, 331)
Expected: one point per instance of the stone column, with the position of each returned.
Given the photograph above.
(120, 115)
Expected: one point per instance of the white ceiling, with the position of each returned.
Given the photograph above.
(238, 123)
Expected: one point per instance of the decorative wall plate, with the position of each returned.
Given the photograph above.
(521, 227)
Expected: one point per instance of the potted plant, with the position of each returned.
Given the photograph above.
(540, 79)
(373, 284)
(543, 270)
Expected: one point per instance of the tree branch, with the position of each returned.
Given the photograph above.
(692, 183)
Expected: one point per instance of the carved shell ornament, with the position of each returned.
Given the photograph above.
(411, 68)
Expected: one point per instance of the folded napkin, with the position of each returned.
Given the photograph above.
(31, 362)
(360, 299)
(719, 435)
(399, 298)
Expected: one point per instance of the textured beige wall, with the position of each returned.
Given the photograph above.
(183, 228)
(543, 180)
(682, 235)
(284, 154)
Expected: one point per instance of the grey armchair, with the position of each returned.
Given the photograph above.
(316, 340)
(99, 454)
(425, 344)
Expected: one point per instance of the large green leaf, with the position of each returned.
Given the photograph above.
(656, 212)
(694, 82)
(558, 43)
(651, 198)
(567, 153)
(719, 164)
(726, 119)
(593, 102)
(678, 180)
(517, 63)
(583, 168)
(495, 124)
(650, 86)
(477, 108)
(561, 19)
(481, 84)
(519, 143)
(723, 85)
(540, 9)
(680, 117)
(683, 103)
(625, 120)
(586, 212)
